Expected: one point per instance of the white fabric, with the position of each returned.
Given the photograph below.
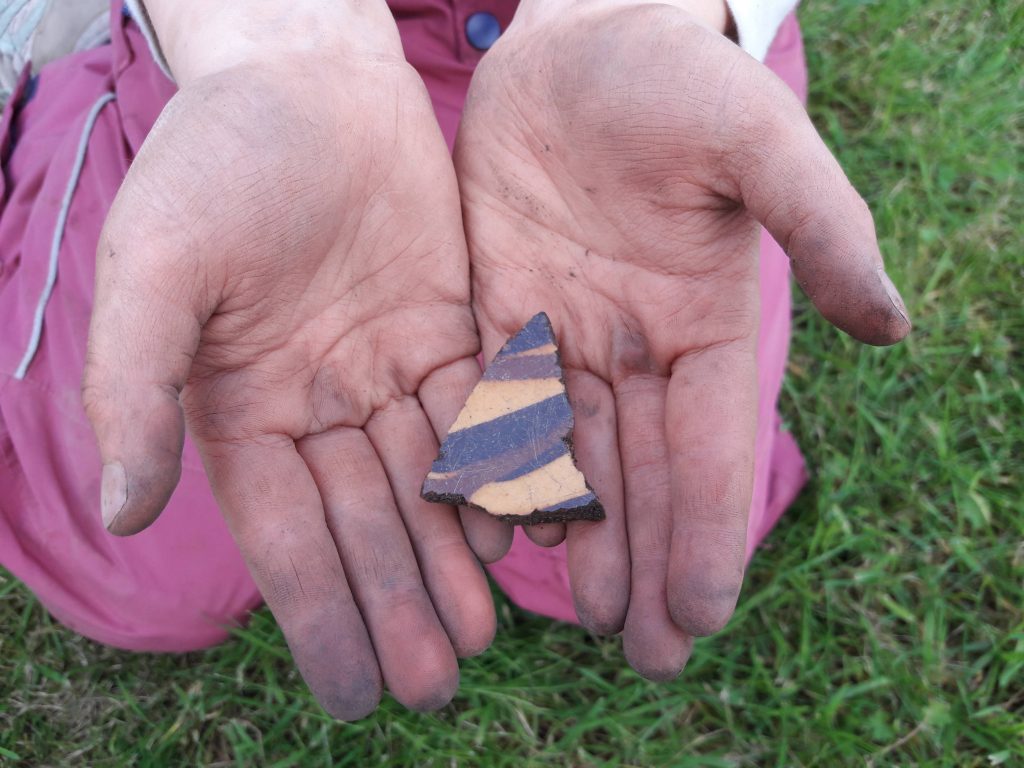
(69, 26)
(18, 22)
(43, 30)
(757, 22)
(137, 8)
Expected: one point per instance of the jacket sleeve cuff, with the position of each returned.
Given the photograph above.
(757, 22)
(137, 9)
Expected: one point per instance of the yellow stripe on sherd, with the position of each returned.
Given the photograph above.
(544, 487)
(547, 349)
(493, 399)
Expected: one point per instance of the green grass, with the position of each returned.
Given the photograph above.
(883, 622)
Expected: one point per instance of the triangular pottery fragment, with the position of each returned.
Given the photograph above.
(509, 452)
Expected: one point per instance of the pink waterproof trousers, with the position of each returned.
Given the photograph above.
(66, 141)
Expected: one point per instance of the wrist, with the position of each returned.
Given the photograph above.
(713, 14)
(200, 38)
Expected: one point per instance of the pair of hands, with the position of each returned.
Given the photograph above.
(286, 270)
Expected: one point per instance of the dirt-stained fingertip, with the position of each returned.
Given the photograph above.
(654, 647)
(113, 493)
(488, 538)
(879, 326)
(655, 667)
(131, 502)
(702, 614)
(865, 305)
(335, 656)
(599, 617)
(900, 329)
(430, 698)
(469, 619)
(546, 534)
(350, 700)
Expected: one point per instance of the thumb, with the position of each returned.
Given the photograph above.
(142, 337)
(791, 183)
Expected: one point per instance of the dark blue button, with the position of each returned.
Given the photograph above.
(482, 30)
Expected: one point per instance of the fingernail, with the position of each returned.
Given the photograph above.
(114, 492)
(894, 295)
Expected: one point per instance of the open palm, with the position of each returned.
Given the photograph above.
(615, 164)
(284, 270)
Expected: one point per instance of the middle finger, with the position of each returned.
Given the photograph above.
(654, 646)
